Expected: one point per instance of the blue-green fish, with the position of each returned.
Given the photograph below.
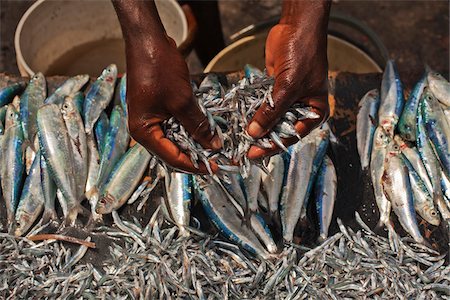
(98, 96)
(407, 124)
(71, 86)
(12, 162)
(123, 94)
(8, 93)
(101, 129)
(30, 101)
(391, 104)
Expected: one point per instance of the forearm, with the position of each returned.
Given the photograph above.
(307, 14)
(139, 20)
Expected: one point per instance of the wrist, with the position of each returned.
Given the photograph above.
(139, 20)
(300, 12)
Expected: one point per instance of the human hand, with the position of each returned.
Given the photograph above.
(296, 55)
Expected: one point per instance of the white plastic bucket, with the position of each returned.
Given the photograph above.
(80, 36)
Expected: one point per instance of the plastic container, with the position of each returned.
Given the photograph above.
(75, 37)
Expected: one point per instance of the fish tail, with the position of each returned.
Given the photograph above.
(49, 214)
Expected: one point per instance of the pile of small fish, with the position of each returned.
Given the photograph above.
(406, 146)
(164, 264)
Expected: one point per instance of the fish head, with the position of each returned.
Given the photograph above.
(23, 222)
(68, 106)
(430, 215)
(394, 148)
(105, 204)
(37, 79)
(12, 117)
(109, 74)
(381, 138)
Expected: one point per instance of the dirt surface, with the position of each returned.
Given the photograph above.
(415, 32)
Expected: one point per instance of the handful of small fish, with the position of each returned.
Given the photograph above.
(406, 146)
(166, 264)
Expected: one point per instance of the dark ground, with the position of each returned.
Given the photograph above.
(414, 32)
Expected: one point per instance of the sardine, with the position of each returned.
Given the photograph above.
(124, 179)
(391, 104)
(99, 96)
(49, 193)
(123, 94)
(306, 157)
(115, 145)
(30, 101)
(77, 136)
(31, 201)
(431, 163)
(179, 195)
(440, 87)
(366, 124)
(226, 217)
(380, 142)
(437, 129)
(397, 188)
(273, 183)
(78, 99)
(92, 194)
(325, 190)
(56, 148)
(71, 86)
(408, 121)
(8, 93)
(101, 129)
(252, 184)
(12, 162)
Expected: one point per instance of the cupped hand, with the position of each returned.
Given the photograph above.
(296, 55)
(158, 87)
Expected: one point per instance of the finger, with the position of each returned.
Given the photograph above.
(154, 140)
(303, 128)
(197, 125)
(256, 152)
(267, 116)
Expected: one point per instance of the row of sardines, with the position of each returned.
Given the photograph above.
(406, 147)
(65, 146)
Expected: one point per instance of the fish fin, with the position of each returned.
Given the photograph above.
(49, 215)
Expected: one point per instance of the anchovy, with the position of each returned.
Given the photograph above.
(98, 96)
(49, 193)
(391, 104)
(305, 160)
(123, 179)
(439, 87)
(8, 93)
(101, 130)
(407, 124)
(56, 148)
(71, 86)
(397, 188)
(77, 136)
(366, 125)
(31, 201)
(437, 128)
(326, 190)
(12, 162)
(179, 195)
(30, 101)
(380, 142)
(226, 217)
(273, 183)
(115, 145)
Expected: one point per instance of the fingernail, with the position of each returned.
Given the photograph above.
(255, 130)
(216, 144)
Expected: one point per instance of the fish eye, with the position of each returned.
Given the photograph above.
(65, 106)
(103, 201)
(433, 213)
(396, 147)
(429, 98)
